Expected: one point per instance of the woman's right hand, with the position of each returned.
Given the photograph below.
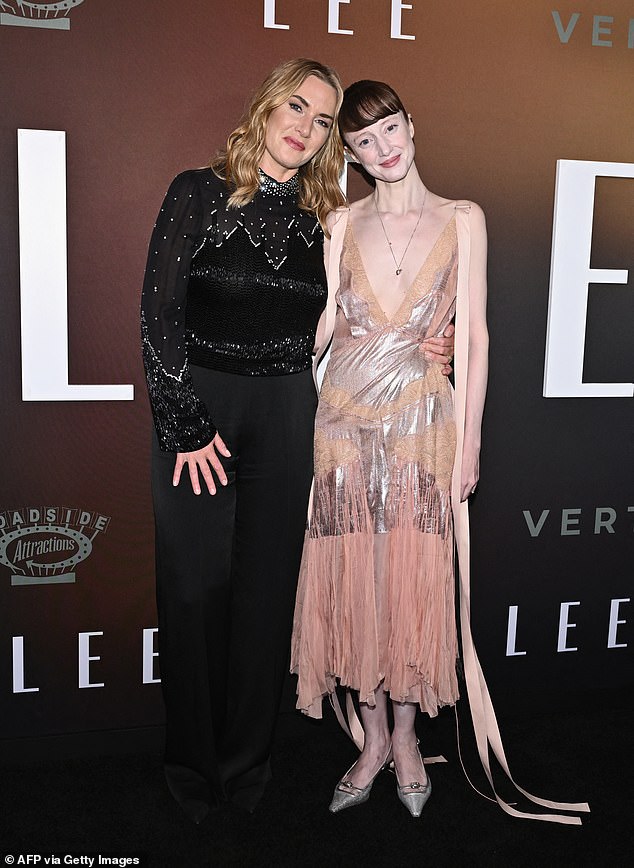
(203, 460)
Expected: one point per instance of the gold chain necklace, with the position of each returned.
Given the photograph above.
(398, 264)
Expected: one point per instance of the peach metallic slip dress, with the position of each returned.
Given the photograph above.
(375, 601)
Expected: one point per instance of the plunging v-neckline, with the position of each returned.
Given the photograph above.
(390, 319)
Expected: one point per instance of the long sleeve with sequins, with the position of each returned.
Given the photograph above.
(181, 419)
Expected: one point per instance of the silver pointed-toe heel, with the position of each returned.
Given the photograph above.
(414, 796)
(346, 794)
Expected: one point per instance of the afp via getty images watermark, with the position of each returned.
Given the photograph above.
(91, 860)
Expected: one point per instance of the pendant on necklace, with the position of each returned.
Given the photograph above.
(389, 243)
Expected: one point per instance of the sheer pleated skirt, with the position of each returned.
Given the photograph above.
(376, 610)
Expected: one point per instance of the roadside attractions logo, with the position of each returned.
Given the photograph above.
(51, 15)
(43, 545)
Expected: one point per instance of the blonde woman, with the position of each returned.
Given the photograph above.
(234, 288)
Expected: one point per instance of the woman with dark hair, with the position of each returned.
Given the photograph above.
(234, 287)
(375, 605)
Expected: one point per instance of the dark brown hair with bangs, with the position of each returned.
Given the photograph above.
(366, 102)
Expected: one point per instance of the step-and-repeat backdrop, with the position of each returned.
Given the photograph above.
(524, 108)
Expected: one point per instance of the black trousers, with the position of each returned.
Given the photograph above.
(227, 570)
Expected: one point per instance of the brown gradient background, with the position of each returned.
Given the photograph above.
(145, 89)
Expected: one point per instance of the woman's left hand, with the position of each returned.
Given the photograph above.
(440, 349)
(470, 473)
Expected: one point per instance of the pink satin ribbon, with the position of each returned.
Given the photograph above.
(485, 725)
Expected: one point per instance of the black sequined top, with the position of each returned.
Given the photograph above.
(236, 290)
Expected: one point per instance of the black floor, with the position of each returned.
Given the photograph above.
(119, 805)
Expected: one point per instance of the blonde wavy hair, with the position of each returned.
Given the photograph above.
(319, 190)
